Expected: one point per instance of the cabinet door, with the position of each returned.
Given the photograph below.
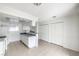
(44, 32)
(2, 48)
(57, 33)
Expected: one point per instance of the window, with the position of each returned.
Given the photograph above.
(14, 28)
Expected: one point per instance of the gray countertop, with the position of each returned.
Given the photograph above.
(28, 34)
(2, 38)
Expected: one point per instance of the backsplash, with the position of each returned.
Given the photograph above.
(28, 26)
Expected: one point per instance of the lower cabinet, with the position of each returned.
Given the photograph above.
(3, 46)
(30, 41)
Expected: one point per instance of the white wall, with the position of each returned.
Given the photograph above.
(71, 30)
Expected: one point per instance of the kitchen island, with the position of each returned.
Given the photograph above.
(29, 39)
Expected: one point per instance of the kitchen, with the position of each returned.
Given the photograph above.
(14, 29)
(39, 29)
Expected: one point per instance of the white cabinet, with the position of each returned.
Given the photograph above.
(44, 32)
(2, 46)
(52, 32)
(30, 41)
(57, 33)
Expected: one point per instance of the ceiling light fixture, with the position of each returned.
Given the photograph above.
(53, 16)
(37, 4)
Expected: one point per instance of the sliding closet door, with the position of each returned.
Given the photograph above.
(57, 33)
(43, 32)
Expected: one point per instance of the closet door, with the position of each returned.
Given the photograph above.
(43, 32)
(57, 33)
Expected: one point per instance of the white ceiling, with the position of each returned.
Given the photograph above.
(45, 10)
(12, 19)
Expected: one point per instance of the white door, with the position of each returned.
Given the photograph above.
(57, 33)
(43, 32)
